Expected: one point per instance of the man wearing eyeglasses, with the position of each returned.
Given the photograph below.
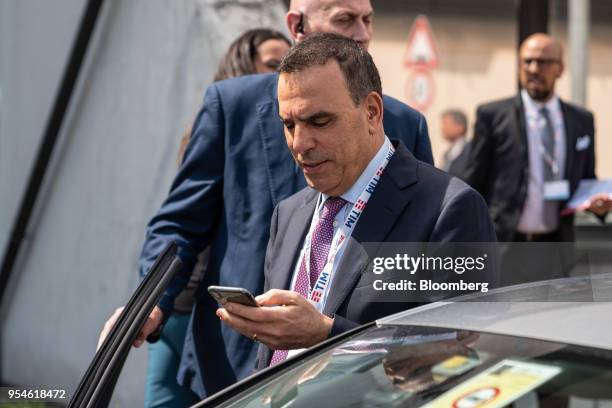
(530, 152)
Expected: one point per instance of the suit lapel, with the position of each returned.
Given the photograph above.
(293, 240)
(386, 204)
(570, 139)
(521, 131)
(518, 133)
(283, 175)
(280, 278)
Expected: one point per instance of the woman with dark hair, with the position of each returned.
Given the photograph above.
(256, 51)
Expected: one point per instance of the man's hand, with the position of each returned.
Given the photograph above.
(600, 204)
(285, 321)
(152, 323)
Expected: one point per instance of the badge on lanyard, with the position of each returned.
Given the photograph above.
(557, 190)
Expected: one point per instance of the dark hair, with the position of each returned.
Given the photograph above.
(457, 116)
(357, 66)
(239, 58)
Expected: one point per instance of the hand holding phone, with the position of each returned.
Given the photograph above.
(224, 294)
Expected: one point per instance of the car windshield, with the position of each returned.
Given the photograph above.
(411, 366)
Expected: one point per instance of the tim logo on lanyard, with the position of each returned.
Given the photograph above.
(321, 287)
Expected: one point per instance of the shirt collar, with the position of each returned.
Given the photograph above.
(533, 107)
(353, 193)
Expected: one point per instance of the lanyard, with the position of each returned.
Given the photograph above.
(318, 293)
(551, 161)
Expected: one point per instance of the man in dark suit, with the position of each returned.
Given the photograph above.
(454, 128)
(530, 152)
(362, 188)
(236, 169)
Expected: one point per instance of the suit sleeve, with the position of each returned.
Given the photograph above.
(270, 247)
(481, 153)
(341, 325)
(589, 170)
(590, 167)
(423, 144)
(191, 211)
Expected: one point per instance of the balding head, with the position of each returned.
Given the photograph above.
(309, 5)
(543, 41)
(350, 18)
(301, 4)
(540, 65)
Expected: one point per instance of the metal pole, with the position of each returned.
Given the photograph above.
(579, 16)
(533, 18)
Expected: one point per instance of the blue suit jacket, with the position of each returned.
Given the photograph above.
(236, 169)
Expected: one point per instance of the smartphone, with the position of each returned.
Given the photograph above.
(224, 294)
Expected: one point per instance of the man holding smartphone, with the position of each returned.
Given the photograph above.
(363, 187)
(237, 168)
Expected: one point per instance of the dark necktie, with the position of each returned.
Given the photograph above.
(548, 144)
(551, 208)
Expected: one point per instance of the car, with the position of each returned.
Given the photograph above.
(543, 344)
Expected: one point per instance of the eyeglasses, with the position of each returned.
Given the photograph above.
(544, 62)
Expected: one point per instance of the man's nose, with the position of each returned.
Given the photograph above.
(302, 140)
(533, 66)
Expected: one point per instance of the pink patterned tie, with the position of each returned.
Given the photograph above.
(319, 249)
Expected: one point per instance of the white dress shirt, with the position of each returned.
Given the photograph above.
(453, 152)
(532, 217)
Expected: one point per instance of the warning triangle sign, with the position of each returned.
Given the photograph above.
(421, 50)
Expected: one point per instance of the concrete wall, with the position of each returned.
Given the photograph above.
(476, 43)
(35, 39)
(142, 86)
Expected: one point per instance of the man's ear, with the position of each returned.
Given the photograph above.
(374, 110)
(295, 25)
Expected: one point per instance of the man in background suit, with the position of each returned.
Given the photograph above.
(236, 169)
(330, 101)
(529, 152)
(454, 128)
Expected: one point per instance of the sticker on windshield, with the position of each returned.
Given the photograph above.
(455, 365)
(498, 386)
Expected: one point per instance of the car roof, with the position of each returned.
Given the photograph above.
(570, 310)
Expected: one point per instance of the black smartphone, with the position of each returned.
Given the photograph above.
(224, 294)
